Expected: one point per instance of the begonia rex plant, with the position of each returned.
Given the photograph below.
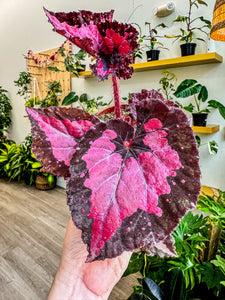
(129, 181)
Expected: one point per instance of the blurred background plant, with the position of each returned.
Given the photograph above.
(5, 113)
(199, 242)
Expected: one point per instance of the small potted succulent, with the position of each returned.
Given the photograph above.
(190, 87)
(190, 28)
(154, 45)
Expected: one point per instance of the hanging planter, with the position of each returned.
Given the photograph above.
(188, 49)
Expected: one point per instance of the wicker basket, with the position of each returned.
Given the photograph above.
(41, 183)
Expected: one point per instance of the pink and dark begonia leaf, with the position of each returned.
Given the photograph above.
(129, 187)
(135, 98)
(55, 132)
(110, 42)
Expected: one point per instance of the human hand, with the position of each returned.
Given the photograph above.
(78, 280)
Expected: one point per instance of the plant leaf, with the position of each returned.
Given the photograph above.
(55, 132)
(203, 94)
(129, 188)
(149, 284)
(70, 98)
(187, 88)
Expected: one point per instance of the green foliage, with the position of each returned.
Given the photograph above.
(167, 84)
(23, 82)
(190, 87)
(73, 62)
(191, 242)
(33, 101)
(188, 31)
(5, 111)
(17, 162)
(51, 98)
(92, 106)
(153, 36)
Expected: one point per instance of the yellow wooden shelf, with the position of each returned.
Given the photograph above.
(208, 129)
(183, 61)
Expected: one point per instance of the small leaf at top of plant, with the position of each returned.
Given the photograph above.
(202, 2)
(180, 19)
(83, 97)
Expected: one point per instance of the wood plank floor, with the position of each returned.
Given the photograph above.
(32, 228)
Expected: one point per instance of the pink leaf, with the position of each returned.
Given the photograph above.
(56, 131)
(129, 188)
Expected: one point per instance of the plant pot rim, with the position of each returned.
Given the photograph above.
(110, 109)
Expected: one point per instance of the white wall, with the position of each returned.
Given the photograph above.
(24, 26)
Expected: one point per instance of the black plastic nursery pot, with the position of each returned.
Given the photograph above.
(152, 54)
(199, 119)
(188, 49)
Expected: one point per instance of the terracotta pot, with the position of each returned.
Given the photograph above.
(110, 109)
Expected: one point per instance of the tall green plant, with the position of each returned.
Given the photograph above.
(190, 25)
(5, 112)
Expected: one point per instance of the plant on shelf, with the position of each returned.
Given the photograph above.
(24, 84)
(190, 87)
(52, 98)
(73, 62)
(197, 271)
(190, 28)
(167, 84)
(5, 111)
(91, 106)
(153, 44)
(212, 145)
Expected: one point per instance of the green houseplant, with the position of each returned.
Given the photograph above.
(199, 243)
(188, 31)
(153, 44)
(5, 110)
(73, 62)
(190, 87)
(23, 83)
(167, 83)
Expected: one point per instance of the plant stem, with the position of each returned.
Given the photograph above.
(197, 104)
(145, 265)
(116, 93)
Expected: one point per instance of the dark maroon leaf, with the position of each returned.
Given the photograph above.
(146, 95)
(110, 42)
(129, 188)
(55, 132)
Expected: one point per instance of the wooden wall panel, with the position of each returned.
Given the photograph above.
(44, 76)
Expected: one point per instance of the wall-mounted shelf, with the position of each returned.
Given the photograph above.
(207, 129)
(183, 61)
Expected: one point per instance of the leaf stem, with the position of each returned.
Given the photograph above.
(197, 104)
(116, 93)
(145, 265)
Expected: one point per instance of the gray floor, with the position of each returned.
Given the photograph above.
(32, 228)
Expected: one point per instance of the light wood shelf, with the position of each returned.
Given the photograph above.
(183, 61)
(208, 129)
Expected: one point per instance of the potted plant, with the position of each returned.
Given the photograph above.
(51, 98)
(73, 62)
(198, 270)
(121, 174)
(5, 111)
(152, 38)
(188, 31)
(190, 87)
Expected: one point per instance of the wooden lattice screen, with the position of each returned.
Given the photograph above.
(43, 76)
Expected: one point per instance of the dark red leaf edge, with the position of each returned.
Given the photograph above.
(185, 187)
(61, 121)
